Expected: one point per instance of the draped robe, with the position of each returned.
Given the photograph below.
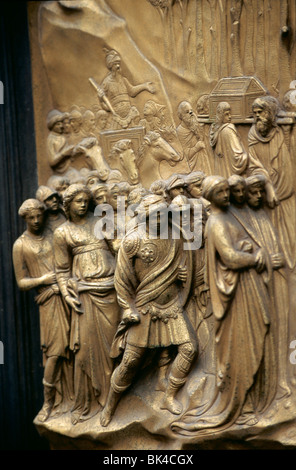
(245, 349)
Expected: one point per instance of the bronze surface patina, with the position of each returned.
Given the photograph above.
(161, 239)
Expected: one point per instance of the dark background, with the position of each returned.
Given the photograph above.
(21, 394)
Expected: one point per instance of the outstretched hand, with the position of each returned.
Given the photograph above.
(150, 87)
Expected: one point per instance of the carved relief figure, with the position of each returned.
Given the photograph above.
(118, 90)
(34, 267)
(175, 186)
(269, 155)
(245, 356)
(58, 183)
(58, 150)
(190, 137)
(193, 183)
(76, 122)
(146, 314)
(148, 279)
(229, 155)
(268, 235)
(54, 212)
(85, 274)
(88, 127)
(153, 119)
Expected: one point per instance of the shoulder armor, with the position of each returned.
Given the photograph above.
(131, 244)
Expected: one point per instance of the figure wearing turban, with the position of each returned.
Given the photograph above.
(118, 90)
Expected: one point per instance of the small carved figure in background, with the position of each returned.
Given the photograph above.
(58, 149)
(118, 90)
(191, 138)
(229, 155)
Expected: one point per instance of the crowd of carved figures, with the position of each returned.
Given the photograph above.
(224, 307)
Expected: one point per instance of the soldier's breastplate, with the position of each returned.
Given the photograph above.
(150, 258)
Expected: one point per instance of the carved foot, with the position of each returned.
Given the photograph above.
(172, 405)
(44, 413)
(284, 391)
(105, 417)
(75, 418)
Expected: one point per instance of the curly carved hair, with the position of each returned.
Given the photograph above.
(28, 205)
(71, 192)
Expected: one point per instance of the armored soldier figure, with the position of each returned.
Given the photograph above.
(152, 280)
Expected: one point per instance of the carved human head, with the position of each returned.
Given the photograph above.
(32, 211)
(113, 194)
(58, 183)
(237, 185)
(100, 192)
(136, 195)
(175, 185)
(265, 110)
(215, 189)
(223, 113)
(92, 179)
(76, 120)
(185, 112)
(55, 120)
(89, 120)
(70, 194)
(49, 197)
(193, 183)
(112, 59)
(102, 118)
(255, 190)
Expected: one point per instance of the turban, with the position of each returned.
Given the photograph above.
(181, 202)
(194, 177)
(209, 184)
(99, 187)
(111, 58)
(151, 203)
(175, 182)
(44, 192)
(55, 116)
(255, 179)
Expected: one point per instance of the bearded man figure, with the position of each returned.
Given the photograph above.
(269, 155)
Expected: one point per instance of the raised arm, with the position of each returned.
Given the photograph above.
(134, 90)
